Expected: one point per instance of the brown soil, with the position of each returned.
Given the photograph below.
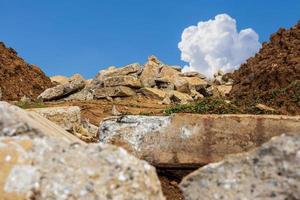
(273, 71)
(170, 179)
(95, 111)
(17, 78)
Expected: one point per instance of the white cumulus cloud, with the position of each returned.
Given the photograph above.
(217, 44)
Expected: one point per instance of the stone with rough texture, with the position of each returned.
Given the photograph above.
(15, 121)
(178, 97)
(193, 74)
(119, 91)
(191, 139)
(45, 168)
(75, 84)
(59, 79)
(66, 117)
(85, 94)
(224, 90)
(52, 93)
(150, 72)
(195, 82)
(129, 81)
(39, 160)
(154, 93)
(269, 172)
(132, 69)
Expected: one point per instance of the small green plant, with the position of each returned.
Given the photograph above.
(27, 104)
(205, 106)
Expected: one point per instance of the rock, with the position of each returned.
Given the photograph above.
(193, 74)
(150, 72)
(269, 172)
(25, 99)
(132, 69)
(153, 93)
(85, 94)
(195, 83)
(75, 84)
(181, 85)
(129, 81)
(119, 91)
(164, 84)
(224, 90)
(178, 97)
(192, 139)
(166, 101)
(53, 93)
(53, 169)
(114, 111)
(69, 119)
(17, 121)
(196, 95)
(66, 117)
(59, 80)
(264, 108)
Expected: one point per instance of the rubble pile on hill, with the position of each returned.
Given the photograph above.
(272, 76)
(154, 80)
(18, 78)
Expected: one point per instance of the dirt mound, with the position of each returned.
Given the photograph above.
(270, 77)
(18, 78)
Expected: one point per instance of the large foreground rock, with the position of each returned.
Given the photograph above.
(191, 139)
(39, 162)
(270, 172)
(75, 84)
(44, 168)
(15, 121)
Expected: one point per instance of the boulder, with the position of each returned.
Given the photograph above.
(44, 168)
(66, 117)
(178, 97)
(18, 122)
(150, 72)
(59, 80)
(164, 84)
(192, 74)
(153, 93)
(192, 139)
(39, 160)
(129, 81)
(119, 91)
(269, 172)
(86, 94)
(132, 69)
(53, 93)
(224, 90)
(195, 82)
(75, 84)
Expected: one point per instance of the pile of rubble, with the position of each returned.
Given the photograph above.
(18, 78)
(154, 80)
(272, 76)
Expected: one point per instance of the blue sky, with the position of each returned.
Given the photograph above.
(84, 36)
